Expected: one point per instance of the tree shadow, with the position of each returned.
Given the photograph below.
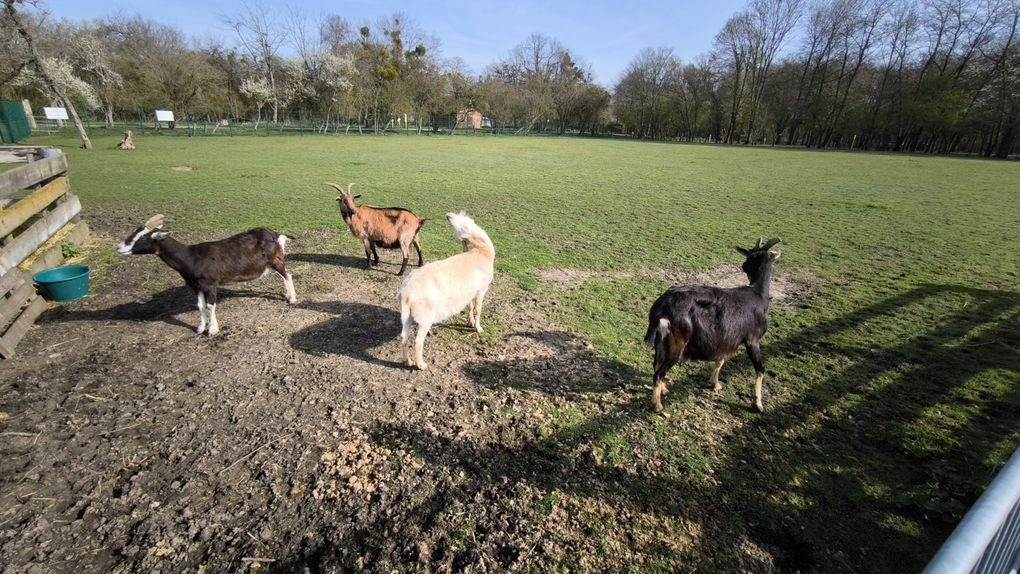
(564, 368)
(816, 476)
(356, 329)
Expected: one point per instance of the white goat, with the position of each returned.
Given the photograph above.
(441, 289)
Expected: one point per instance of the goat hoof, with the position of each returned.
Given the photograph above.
(658, 407)
(758, 407)
(423, 366)
(478, 328)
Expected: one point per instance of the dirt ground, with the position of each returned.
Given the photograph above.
(297, 441)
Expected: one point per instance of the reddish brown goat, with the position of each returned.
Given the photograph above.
(387, 227)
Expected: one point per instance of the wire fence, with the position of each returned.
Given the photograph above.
(296, 122)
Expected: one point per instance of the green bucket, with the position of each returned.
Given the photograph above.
(65, 283)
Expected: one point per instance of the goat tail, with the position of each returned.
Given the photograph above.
(658, 329)
(282, 238)
(657, 336)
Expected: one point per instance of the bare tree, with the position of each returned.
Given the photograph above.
(256, 29)
(770, 22)
(91, 57)
(40, 68)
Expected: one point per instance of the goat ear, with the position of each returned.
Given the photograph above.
(157, 235)
(775, 255)
(742, 251)
(356, 196)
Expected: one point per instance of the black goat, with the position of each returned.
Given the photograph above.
(206, 266)
(710, 323)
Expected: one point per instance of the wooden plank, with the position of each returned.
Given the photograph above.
(20, 327)
(9, 280)
(30, 239)
(12, 217)
(18, 153)
(10, 307)
(19, 178)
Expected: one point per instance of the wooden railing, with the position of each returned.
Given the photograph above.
(43, 214)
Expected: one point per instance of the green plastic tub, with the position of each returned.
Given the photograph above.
(65, 283)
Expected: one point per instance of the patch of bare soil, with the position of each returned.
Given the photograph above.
(183, 168)
(784, 285)
(297, 440)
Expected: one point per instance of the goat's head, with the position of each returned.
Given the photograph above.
(345, 200)
(145, 239)
(757, 257)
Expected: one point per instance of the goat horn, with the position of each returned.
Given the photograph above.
(154, 221)
(335, 186)
(771, 242)
(758, 245)
(349, 186)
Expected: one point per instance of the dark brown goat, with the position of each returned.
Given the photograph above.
(206, 266)
(710, 323)
(387, 227)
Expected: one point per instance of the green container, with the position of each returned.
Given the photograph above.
(65, 283)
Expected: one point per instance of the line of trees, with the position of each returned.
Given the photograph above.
(917, 75)
(280, 66)
(938, 76)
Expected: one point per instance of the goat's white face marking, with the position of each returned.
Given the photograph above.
(125, 247)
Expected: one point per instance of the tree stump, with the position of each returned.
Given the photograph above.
(127, 142)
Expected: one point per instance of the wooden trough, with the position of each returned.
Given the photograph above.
(37, 213)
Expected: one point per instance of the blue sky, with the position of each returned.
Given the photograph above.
(606, 35)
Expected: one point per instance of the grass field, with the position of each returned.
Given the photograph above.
(893, 374)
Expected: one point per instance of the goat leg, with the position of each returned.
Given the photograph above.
(660, 388)
(368, 252)
(201, 313)
(419, 344)
(715, 375)
(417, 247)
(407, 254)
(210, 299)
(754, 350)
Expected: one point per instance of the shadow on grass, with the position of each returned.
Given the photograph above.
(831, 480)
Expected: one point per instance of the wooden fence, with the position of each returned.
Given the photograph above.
(41, 215)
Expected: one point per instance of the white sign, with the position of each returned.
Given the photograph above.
(55, 113)
(164, 116)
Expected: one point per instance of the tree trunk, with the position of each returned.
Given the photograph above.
(85, 142)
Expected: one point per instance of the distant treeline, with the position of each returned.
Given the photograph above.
(939, 76)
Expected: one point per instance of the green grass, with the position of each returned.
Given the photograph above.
(894, 379)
